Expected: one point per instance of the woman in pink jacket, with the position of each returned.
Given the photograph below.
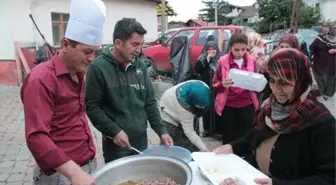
(235, 106)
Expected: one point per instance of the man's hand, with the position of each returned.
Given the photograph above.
(75, 174)
(82, 178)
(167, 140)
(121, 139)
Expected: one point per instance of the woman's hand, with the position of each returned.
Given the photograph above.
(267, 181)
(206, 150)
(261, 62)
(211, 55)
(332, 51)
(227, 83)
(224, 149)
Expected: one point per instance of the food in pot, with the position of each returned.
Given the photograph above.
(230, 181)
(160, 181)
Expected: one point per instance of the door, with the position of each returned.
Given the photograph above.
(224, 43)
(162, 59)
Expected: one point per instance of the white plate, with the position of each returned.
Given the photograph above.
(219, 167)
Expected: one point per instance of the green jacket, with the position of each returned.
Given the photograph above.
(118, 99)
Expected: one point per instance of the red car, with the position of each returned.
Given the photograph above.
(158, 55)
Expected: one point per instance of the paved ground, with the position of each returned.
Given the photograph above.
(16, 162)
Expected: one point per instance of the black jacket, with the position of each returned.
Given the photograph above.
(304, 158)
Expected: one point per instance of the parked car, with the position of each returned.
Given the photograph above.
(162, 37)
(308, 35)
(158, 55)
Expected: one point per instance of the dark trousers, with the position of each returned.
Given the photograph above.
(113, 152)
(236, 122)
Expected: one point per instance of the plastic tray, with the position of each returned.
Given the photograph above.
(219, 167)
(247, 80)
(198, 177)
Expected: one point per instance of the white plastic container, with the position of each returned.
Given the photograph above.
(217, 168)
(198, 178)
(247, 80)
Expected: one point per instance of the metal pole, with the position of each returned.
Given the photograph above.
(295, 15)
(163, 16)
(216, 12)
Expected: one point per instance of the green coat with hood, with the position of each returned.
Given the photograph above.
(121, 99)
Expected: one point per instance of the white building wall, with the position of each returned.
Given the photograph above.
(21, 25)
(6, 38)
(23, 31)
(328, 9)
(143, 11)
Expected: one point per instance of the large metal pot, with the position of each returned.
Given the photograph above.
(143, 167)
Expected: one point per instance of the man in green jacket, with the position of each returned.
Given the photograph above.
(120, 98)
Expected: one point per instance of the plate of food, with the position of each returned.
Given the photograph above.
(226, 169)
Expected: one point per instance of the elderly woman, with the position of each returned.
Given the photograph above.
(287, 41)
(293, 140)
(180, 104)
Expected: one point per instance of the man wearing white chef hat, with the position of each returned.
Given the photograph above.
(57, 130)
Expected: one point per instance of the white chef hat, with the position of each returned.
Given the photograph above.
(86, 22)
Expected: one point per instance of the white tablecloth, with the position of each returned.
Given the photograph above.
(198, 178)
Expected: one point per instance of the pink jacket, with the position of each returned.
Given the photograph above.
(222, 72)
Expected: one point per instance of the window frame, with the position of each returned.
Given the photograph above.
(62, 22)
(169, 42)
(208, 30)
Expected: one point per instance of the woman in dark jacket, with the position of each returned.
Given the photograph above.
(324, 57)
(293, 141)
(205, 68)
(287, 41)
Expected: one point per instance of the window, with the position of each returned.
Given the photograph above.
(225, 43)
(204, 34)
(227, 34)
(166, 36)
(59, 23)
(187, 33)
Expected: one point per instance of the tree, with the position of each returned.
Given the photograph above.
(309, 16)
(277, 14)
(208, 13)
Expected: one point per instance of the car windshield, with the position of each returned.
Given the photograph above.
(188, 33)
(308, 35)
(167, 35)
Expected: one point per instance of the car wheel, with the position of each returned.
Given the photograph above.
(151, 68)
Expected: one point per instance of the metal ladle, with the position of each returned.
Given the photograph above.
(138, 151)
